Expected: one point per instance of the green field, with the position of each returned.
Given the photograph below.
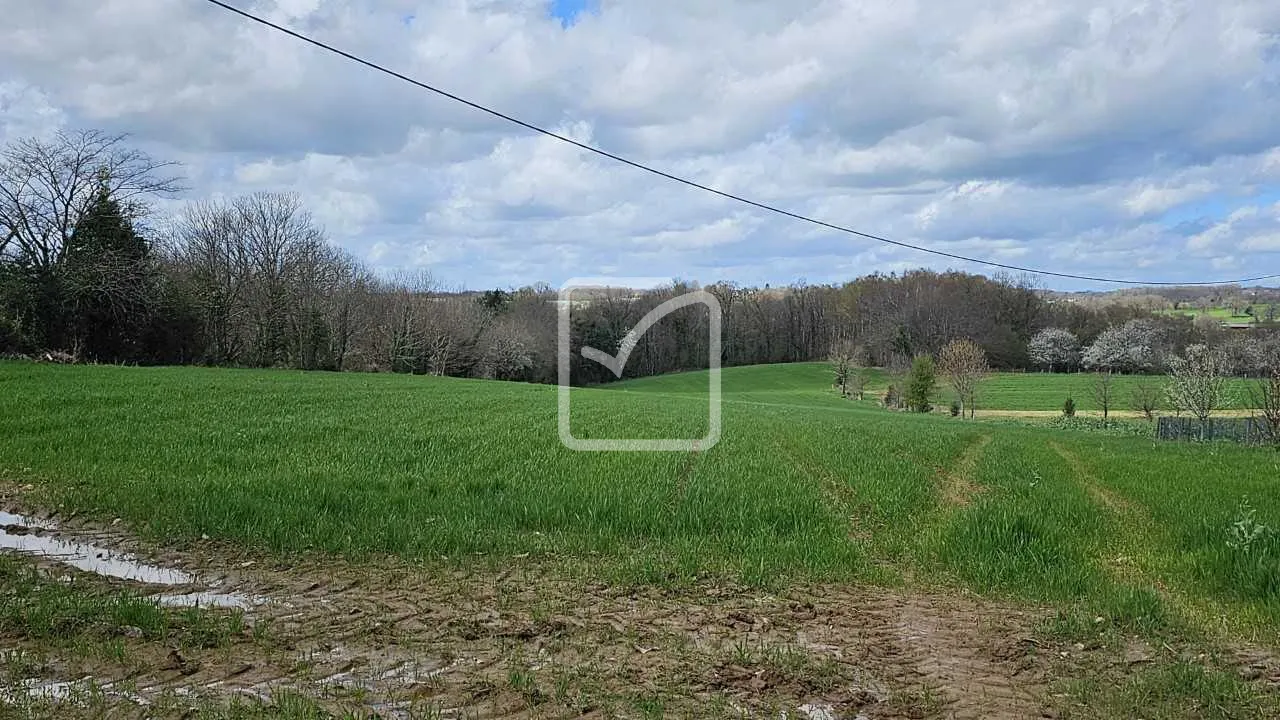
(810, 384)
(1048, 391)
(1224, 314)
(803, 487)
(423, 467)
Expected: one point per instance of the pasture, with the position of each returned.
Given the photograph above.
(1000, 394)
(1228, 315)
(1046, 392)
(1110, 540)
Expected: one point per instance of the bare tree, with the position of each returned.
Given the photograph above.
(275, 229)
(964, 363)
(351, 313)
(505, 352)
(1145, 398)
(1104, 392)
(47, 187)
(1265, 397)
(214, 264)
(729, 295)
(846, 366)
(399, 339)
(270, 288)
(1197, 383)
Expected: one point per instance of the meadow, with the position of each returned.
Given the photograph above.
(1167, 539)
(427, 467)
(1015, 392)
(1260, 311)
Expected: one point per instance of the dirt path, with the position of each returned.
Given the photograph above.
(404, 640)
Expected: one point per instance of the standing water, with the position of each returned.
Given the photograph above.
(26, 535)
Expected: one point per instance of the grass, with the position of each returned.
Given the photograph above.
(1167, 691)
(1048, 391)
(35, 606)
(810, 384)
(1224, 314)
(803, 485)
(1125, 536)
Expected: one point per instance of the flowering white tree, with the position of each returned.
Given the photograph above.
(1244, 356)
(1054, 347)
(1133, 346)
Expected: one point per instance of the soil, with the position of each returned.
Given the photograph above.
(539, 639)
(531, 641)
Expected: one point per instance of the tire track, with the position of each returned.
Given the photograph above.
(1123, 550)
(957, 485)
(528, 640)
(840, 495)
(1102, 495)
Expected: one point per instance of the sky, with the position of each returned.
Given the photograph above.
(1128, 139)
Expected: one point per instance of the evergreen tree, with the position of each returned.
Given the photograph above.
(109, 282)
(922, 381)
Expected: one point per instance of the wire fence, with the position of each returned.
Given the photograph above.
(1242, 430)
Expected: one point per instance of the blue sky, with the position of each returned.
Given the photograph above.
(1104, 137)
(567, 11)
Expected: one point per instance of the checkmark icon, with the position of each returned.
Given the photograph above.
(617, 363)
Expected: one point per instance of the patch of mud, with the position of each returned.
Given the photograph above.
(207, 599)
(1258, 664)
(533, 643)
(33, 536)
(405, 640)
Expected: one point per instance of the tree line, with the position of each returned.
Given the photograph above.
(89, 272)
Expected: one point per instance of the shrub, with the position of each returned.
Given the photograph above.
(921, 383)
(955, 408)
(1098, 425)
(1069, 408)
(891, 396)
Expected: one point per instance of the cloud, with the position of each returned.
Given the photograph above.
(1252, 229)
(25, 111)
(1104, 137)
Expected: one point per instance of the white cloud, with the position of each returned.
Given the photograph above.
(1252, 229)
(1048, 134)
(1150, 199)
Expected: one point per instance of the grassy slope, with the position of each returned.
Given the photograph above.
(802, 485)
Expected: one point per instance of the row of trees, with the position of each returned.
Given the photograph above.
(1142, 345)
(1198, 384)
(961, 362)
(88, 271)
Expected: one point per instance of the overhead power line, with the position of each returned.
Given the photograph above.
(693, 183)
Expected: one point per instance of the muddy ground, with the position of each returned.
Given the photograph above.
(392, 639)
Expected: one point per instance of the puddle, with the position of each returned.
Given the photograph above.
(15, 535)
(25, 535)
(64, 691)
(11, 520)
